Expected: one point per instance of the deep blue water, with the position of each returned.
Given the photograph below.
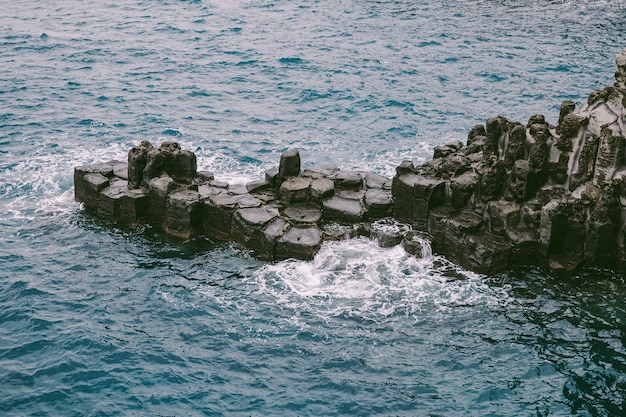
(99, 321)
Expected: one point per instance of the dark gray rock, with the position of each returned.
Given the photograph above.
(502, 215)
(342, 210)
(461, 189)
(348, 180)
(92, 184)
(137, 159)
(295, 190)
(158, 189)
(320, 171)
(289, 164)
(133, 207)
(515, 149)
(299, 243)
(109, 200)
(567, 107)
(518, 180)
(378, 203)
(247, 224)
(417, 244)
(184, 214)
(486, 253)
(218, 216)
(321, 188)
(377, 181)
(256, 186)
(204, 176)
(303, 213)
(610, 156)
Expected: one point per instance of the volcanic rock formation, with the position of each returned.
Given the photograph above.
(540, 194)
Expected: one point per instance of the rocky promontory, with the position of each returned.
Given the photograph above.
(534, 193)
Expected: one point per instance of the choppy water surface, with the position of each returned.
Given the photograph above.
(100, 321)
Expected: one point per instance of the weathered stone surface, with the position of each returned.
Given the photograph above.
(205, 176)
(518, 180)
(184, 214)
(461, 189)
(486, 253)
(105, 170)
(303, 213)
(494, 128)
(184, 165)
(342, 210)
(109, 201)
(558, 170)
(415, 195)
(295, 190)
(263, 244)
(357, 195)
(120, 170)
(377, 181)
(320, 171)
(246, 201)
(299, 243)
(567, 107)
(502, 216)
(447, 149)
(289, 164)
(133, 207)
(158, 189)
(610, 156)
(92, 184)
(256, 186)
(218, 216)
(516, 147)
(321, 188)
(271, 177)
(137, 159)
(348, 180)
(378, 203)
(248, 223)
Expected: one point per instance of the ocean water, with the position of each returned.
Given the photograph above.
(101, 321)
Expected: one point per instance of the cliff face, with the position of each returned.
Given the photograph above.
(550, 195)
(532, 194)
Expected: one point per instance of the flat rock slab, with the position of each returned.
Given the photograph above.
(320, 171)
(343, 210)
(299, 243)
(256, 217)
(306, 213)
(378, 202)
(377, 181)
(295, 190)
(322, 188)
(348, 180)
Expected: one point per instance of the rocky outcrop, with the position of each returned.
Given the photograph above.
(534, 194)
(542, 194)
(288, 214)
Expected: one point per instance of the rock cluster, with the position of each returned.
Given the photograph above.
(286, 215)
(528, 194)
(550, 195)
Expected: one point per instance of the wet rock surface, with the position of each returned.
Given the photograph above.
(534, 193)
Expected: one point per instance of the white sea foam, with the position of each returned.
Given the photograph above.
(357, 277)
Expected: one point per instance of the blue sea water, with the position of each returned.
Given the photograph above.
(100, 321)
